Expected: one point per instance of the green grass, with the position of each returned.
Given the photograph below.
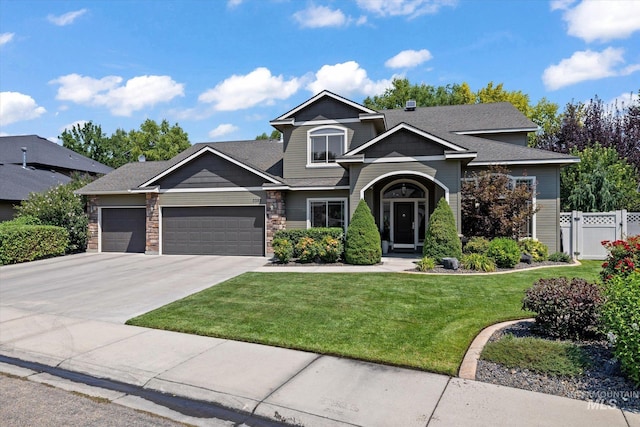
(536, 354)
(414, 320)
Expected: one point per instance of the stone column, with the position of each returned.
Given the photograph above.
(153, 224)
(92, 230)
(276, 215)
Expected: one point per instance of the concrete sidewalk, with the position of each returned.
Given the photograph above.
(296, 387)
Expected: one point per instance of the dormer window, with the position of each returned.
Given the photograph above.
(325, 144)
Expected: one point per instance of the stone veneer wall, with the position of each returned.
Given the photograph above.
(153, 224)
(276, 215)
(92, 211)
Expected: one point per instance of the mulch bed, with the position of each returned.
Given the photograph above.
(601, 383)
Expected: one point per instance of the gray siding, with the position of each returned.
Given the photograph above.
(210, 171)
(404, 144)
(295, 150)
(222, 198)
(446, 172)
(516, 138)
(122, 200)
(296, 205)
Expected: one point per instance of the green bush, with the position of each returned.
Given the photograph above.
(478, 262)
(476, 245)
(559, 257)
(565, 309)
(282, 249)
(309, 250)
(60, 207)
(22, 243)
(441, 239)
(621, 321)
(316, 233)
(426, 264)
(504, 252)
(331, 249)
(21, 220)
(623, 257)
(535, 248)
(363, 239)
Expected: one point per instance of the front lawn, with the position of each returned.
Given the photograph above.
(420, 321)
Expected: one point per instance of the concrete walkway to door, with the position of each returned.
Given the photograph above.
(113, 287)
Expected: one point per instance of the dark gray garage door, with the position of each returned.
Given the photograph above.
(123, 229)
(213, 230)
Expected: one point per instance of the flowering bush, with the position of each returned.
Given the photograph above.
(621, 319)
(331, 249)
(282, 250)
(623, 259)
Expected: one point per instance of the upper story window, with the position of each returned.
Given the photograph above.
(325, 144)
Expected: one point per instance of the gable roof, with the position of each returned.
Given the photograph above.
(264, 157)
(43, 153)
(286, 117)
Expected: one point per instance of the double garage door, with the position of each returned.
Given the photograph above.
(205, 230)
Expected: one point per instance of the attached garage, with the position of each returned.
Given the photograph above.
(213, 230)
(123, 229)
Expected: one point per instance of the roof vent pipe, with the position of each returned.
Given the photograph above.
(24, 157)
(410, 105)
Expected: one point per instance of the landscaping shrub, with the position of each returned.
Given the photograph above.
(504, 252)
(535, 248)
(331, 249)
(441, 239)
(623, 258)
(282, 249)
(559, 257)
(476, 245)
(363, 239)
(21, 220)
(309, 250)
(426, 264)
(565, 308)
(22, 243)
(316, 233)
(59, 206)
(621, 321)
(478, 262)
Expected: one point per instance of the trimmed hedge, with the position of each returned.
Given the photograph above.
(22, 243)
(363, 245)
(504, 251)
(441, 239)
(309, 245)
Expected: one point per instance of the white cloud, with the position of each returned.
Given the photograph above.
(17, 107)
(122, 100)
(6, 38)
(586, 65)
(345, 79)
(244, 91)
(561, 4)
(233, 3)
(320, 16)
(409, 58)
(411, 8)
(603, 20)
(222, 129)
(67, 18)
(626, 99)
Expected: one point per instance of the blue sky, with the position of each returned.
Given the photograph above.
(222, 69)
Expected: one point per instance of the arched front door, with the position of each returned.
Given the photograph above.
(404, 210)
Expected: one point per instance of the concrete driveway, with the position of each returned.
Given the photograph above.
(113, 287)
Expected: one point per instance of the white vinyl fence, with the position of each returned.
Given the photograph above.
(583, 232)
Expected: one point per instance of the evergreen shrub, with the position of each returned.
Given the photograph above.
(441, 239)
(363, 238)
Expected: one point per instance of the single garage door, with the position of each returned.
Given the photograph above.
(213, 230)
(123, 229)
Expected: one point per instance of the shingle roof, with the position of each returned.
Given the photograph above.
(16, 183)
(44, 153)
(125, 178)
(498, 116)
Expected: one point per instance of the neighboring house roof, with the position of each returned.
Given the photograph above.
(43, 153)
(16, 182)
(125, 178)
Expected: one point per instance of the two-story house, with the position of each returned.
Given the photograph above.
(228, 198)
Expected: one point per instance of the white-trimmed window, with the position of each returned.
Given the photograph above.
(325, 144)
(331, 212)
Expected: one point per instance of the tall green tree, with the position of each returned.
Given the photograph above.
(425, 95)
(275, 135)
(89, 140)
(158, 141)
(601, 182)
